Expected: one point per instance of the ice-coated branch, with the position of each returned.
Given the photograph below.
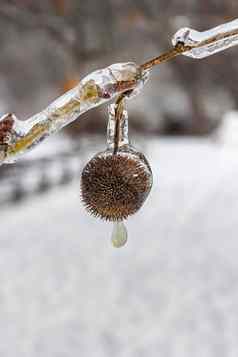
(207, 43)
(195, 44)
(16, 137)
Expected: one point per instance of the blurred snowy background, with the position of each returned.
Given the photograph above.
(172, 291)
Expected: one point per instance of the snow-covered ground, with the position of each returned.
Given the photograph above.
(172, 291)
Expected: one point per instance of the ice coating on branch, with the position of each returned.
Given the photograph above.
(207, 43)
(16, 137)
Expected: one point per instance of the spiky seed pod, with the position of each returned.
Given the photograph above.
(115, 186)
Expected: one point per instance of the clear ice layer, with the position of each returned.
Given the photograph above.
(111, 128)
(207, 43)
(16, 137)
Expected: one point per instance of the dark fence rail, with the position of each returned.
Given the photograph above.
(36, 176)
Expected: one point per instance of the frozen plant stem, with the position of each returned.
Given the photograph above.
(16, 137)
(195, 44)
(119, 111)
(122, 79)
(207, 43)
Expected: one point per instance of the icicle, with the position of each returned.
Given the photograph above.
(119, 234)
(207, 43)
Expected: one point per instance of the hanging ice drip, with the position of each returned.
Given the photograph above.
(116, 182)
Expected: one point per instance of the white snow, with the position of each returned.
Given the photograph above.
(171, 291)
(228, 131)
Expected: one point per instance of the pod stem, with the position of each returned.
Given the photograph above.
(179, 49)
(118, 116)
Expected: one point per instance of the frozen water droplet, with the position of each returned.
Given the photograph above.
(119, 234)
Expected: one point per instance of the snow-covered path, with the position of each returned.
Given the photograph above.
(172, 291)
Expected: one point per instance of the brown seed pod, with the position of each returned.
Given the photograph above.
(115, 186)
